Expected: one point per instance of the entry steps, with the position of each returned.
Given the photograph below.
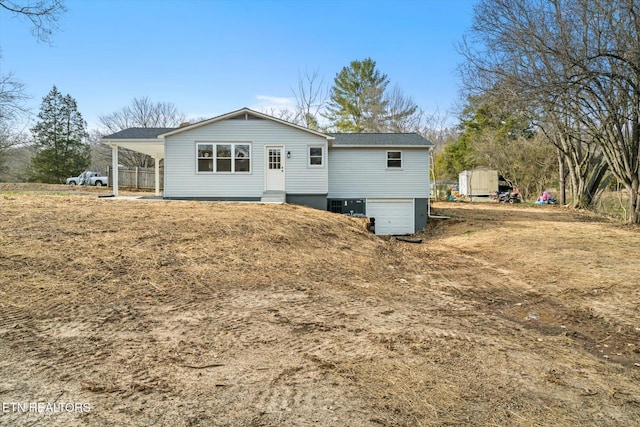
(274, 197)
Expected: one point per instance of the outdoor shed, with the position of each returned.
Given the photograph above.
(479, 182)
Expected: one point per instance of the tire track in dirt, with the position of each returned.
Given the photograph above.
(276, 391)
(509, 295)
(320, 327)
(269, 327)
(76, 346)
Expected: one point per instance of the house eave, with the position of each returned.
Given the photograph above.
(152, 147)
(116, 141)
(380, 146)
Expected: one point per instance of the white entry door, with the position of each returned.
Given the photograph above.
(274, 168)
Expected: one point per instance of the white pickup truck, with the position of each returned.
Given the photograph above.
(89, 178)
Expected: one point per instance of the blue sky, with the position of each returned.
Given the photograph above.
(210, 57)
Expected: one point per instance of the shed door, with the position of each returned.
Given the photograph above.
(392, 216)
(274, 168)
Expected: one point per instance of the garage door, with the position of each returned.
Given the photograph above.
(393, 216)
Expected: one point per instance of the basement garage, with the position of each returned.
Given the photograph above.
(392, 216)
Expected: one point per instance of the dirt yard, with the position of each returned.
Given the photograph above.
(132, 312)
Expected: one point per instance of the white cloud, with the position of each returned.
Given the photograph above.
(273, 103)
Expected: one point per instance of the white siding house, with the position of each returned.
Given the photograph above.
(388, 173)
(249, 156)
(183, 178)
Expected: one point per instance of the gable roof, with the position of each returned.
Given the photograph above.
(138, 133)
(380, 140)
(338, 139)
(246, 113)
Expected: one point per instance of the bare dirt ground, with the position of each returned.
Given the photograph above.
(223, 314)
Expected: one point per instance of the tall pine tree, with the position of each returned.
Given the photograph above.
(59, 140)
(359, 101)
(356, 98)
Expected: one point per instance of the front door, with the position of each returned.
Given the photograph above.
(274, 169)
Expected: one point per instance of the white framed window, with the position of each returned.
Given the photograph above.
(316, 156)
(223, 157)
(394, 159)
(205, 157)
(242, 158)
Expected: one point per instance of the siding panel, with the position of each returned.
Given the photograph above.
(182, 180)
(362, 172)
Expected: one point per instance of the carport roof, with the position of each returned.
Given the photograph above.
(138, 133)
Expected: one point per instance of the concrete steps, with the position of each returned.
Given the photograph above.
(274, 197)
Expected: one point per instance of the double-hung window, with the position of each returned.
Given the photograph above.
(316, 156)
(394, 159)
(224, 157)
(242, 158)
(205, 157)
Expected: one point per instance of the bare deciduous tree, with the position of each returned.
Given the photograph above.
(586, 167)
(526, 163)
(402, 113)
(11, 143)
(42, 14)
(100, 153)
(283, 114)
(435, 128)
(144, 113)
(12, 108)
(575, 60)
(12, 98)
(311, 98)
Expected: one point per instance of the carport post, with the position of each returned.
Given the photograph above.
(114, 167)
(157, 171)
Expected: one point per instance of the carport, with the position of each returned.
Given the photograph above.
(147, 141)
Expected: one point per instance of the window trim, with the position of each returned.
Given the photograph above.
(215, 157)
(322, 156)
(400, 159)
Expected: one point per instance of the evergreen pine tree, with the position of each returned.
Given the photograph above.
(59, 140)
(356, 98)
(360, 102)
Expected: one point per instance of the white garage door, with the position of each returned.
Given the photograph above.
(393, 216)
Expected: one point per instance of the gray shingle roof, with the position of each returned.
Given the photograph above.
(380, 139)
(138, 133)
(341, 139)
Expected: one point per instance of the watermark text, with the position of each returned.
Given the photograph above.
(45, 407)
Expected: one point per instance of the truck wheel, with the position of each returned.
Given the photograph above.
(72, 183)
(98, 183)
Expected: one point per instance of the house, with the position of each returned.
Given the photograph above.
(250, 156)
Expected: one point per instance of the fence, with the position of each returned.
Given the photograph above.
(137, 178)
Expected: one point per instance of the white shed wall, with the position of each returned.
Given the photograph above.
(180, 166)
(362, 172)
(478, 182)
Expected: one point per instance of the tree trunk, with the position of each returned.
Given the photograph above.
(634, 201)
(561, 175)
